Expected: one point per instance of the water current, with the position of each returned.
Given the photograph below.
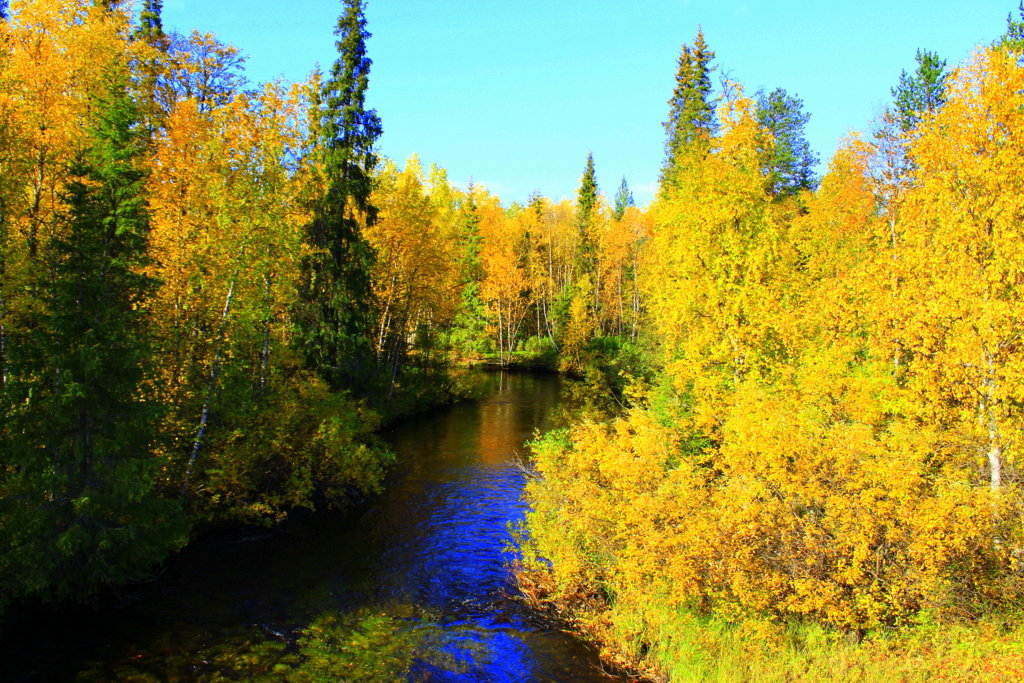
(412, 587)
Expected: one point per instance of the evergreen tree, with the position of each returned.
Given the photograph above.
(151, 28)
(1013, 39)
(586, 205)
(469, 325)
(151, 31)
(623, 200)
(79, 507)
(922, 92)
(691, 115)
(789, 168)
(333, 314)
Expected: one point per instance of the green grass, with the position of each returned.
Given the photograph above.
(676, 645)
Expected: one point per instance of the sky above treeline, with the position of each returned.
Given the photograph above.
(515, 93)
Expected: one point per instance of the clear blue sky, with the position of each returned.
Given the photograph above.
(514, 93)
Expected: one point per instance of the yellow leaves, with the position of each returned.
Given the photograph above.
(60, 55)
(416, 274)
(852, 376)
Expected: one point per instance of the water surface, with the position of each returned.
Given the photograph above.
(412, 587)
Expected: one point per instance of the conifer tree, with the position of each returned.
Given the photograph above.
(79, 507)
(691, 115)
(1013, 39)
(469, 325)
(585, 278)
(623, 200)
(586, 204)
(922, 92)
(151, 28)
(151, 31)
(333, 314)
(789, 167)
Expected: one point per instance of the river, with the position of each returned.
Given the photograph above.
(412, 587)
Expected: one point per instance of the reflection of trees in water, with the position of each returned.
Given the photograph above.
(422, 574)
(522, 404)
(383, 643)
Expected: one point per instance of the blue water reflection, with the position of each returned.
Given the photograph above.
(414, 587)
(450, 550)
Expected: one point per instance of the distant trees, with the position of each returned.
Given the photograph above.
(834, 431)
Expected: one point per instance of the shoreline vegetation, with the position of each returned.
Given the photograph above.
(817, 477)
(791, 449)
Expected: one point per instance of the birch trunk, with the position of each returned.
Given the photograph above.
(211, 386)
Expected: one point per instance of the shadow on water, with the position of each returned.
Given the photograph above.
(413, 587)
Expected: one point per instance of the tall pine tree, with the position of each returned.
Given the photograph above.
(585, 277)
(151, 27)
(79, 507)
(469, 325)
(922, 92)
(333, 313)
(586, 205)
(789, 167)
(691, 114)
(1013, 39)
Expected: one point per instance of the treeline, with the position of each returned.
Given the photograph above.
(832, 433)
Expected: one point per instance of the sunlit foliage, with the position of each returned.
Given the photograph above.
(834, 436)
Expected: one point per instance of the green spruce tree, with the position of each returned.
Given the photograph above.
(691, 113)
(79, 507)
(1013, 39)
(468, 329)
(151, 27)
(922, 92)
(333, 315)
(585, 276)
(586, 205)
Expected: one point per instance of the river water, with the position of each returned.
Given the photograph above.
(412, 588)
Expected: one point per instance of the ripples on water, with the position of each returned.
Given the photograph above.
(416, 587)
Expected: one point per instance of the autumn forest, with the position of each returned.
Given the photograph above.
(798, 391)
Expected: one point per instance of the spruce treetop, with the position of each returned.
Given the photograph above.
(151, 27)
(586, 198)
(691, 115)
(349, 130)
(1013, 39)
(922, 92)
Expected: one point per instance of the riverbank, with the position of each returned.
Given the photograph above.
(659, 643)
(411, 585)
(623, 547)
